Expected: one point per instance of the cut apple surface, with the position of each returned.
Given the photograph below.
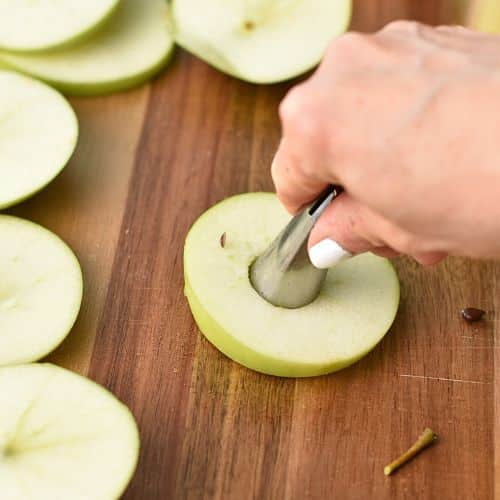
(260, 41)
(484, 15)
(38, 133)
(130, 48)
(62, 437)
(353, 312)
(40, 291)
(28, 25)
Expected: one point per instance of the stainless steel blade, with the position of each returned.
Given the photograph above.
(283, 275)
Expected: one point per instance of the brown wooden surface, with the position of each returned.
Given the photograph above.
(148, 163)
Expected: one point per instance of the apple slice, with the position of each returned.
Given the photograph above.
(261, 41)
(130, 48)
(62, 436)
(484, 15)
(353, 312)
(40, 291)
(38, 134)
(27, 25)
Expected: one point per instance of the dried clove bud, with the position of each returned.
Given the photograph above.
(425, 439)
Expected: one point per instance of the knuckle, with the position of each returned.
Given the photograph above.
(274, 172)
(297, 115)
(278, 172)
(291, 106)
(348, 42)
(403, 25)
(405, 243)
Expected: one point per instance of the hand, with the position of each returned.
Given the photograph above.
(407, 120)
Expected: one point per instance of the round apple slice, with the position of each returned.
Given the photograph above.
(38, 134)
(260, 41)
(40, 291)
(62, 436)
(354, 310)
(27, 25)
(130, 48)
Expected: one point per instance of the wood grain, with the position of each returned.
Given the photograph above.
(148, 163)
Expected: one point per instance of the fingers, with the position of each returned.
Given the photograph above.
(430, 258)
(350, 225)
(347, 228)
(293, 186)
(300, 166)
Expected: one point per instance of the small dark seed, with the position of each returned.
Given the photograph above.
(222, 240)
(249, 25)
(471, 314)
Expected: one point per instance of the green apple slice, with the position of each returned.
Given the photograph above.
(261, 41)
(40, 291)
(38, 134)
(62, 436)
(27, 25)
(353, 312)
(484, 15)
(131, 47)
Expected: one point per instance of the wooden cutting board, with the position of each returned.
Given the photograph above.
(148, 163)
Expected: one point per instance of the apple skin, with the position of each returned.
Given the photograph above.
(68, 42)
(117, 34)
(202, 245)
(93, 89)
(252, 359)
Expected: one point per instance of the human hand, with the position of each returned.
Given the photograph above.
(407, 120)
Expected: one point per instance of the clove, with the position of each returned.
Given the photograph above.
(425, 439)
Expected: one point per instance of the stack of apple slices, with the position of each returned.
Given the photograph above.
(32, 26)
(61, 436)
(87, 47)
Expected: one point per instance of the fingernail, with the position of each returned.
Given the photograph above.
(327, 253)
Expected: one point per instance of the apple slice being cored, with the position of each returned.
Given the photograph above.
(38, 134)
(40, 291)
(62, 436)
(261, 41)
(353, 312)
(27, 25)
(129, 49)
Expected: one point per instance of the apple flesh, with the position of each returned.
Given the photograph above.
(353, 312)
(38, 134)
(484, 15)
(62, 436)
(130, 48)
(40, 291)
(27, 25)
(261, 41)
